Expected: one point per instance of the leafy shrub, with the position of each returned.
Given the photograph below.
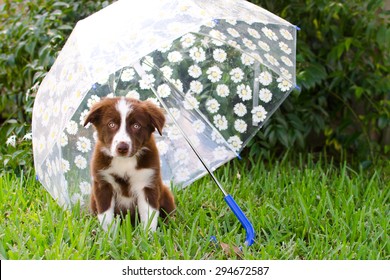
(32, 34)
(343, 70)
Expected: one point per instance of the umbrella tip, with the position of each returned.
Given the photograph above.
(297, 28)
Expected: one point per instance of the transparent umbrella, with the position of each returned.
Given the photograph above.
(218, 68)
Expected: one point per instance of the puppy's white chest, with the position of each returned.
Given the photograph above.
(127, 181)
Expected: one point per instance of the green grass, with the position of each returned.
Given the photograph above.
(300, 210)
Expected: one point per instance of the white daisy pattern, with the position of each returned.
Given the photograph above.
(220, 81)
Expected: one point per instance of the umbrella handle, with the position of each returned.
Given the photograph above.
(250, 232)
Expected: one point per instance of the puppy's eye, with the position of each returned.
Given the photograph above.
(136, 126)
(111, 125)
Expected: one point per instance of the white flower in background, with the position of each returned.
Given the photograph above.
(212, 105)
(265, 95)
(164, 48)
(287, 35)
(80, 162)
(83, 116)
(222, 90)
(190, 102)
(219, 55)
(257, 57)
(48, 167)
(235, 142)
(110, 95)
(265, 78)
(163, 90)
(231, 21)
(214, 74)
(133, 94)
(220, 122)
(72, 127)
(249, 44)
(187, 40)
(234, 44)
(285, 73)
(269, 33)
(162, 147)
(199, 126)
(175, 113)
(271, 59)
(85, 187)
(173, 132)
(56, 108)
(177, 84)
(205, 42)
(41, 144)
(233, 32)
(196, 87)
(194, 71)
(216, 137)
(146, 82)
(211, 23)
(197, 54)
(220, 153)
(284, 47)
(286, 61)
(92, 100)
(28, 136)
(181, 156)
(76, 198)
(127, 74)
(240, 126)
(11, 141)
(247, 60)
(244, 92)
(236, 75)
(182, 174)
(175, 57)
(45, 118)
(83, 144)
(264, 46)
(64, 165)
(254, 33)
(283, 84)
(259, 114)
(154, 101)
(220, 38)
(167, 72)
(240, 109)
(53, 133)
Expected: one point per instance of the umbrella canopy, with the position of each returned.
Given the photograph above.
(219, 69)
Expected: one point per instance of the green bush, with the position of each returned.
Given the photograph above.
(32, 34)
(343, 70)
(342, 61)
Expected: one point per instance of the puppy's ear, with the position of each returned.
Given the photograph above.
(156, 115)
(94, 115)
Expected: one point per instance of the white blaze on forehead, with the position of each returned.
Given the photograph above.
(124, 110)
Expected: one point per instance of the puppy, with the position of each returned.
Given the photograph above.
(125, 165)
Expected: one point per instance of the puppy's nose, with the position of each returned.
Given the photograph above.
(122, 148)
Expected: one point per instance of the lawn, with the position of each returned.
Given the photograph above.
(302, 209)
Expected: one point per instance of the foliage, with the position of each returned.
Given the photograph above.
(343, 70)
(300, 210)
(32, 33)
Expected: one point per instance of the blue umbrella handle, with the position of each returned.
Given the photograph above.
(250, 232)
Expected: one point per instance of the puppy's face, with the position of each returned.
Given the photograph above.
(125, 125)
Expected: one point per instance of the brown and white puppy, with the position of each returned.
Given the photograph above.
(125, 165)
